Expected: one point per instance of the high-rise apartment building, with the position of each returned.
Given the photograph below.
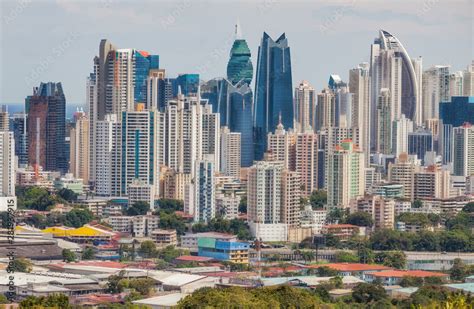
(403, 172)
(306, 161)
(463, 150)
(305, 107)
(458, 111)
(435, 89)
(7, 164)
(230, 153)
(281, 146)
(204, 191)
(46, 127)
(290, 198)
(419, 142)
(400, 129)
(79, 147)
(18, 127)
(345, 175)
(273, 90)
(384, 122)
(325, 110)
(468, 81)
(361, 116)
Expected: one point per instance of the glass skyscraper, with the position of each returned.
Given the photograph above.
(239, 67)
(273, 90)
(144, 62)
(458, 111)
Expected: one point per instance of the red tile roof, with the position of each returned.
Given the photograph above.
(347, 267)
(408, 273)
(192, 258)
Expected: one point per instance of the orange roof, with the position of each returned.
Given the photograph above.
(351, 266)
(408, 273)
(144, 53)
(191, 258)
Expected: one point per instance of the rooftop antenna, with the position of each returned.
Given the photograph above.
(238, 31)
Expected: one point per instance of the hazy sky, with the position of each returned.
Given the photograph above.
(57, 40)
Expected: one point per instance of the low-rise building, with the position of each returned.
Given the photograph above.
(232, 251)
(164, 238)
(393, 277)
(342, 231)
(358, 270)
(190, 240)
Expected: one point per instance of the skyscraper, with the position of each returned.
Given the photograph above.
(468, 81)
(392, 68)
(463, 150)
(204, 191)
(18, 127)
(384, 123)
(7, 164)
(458, 111)
(281, 146)
(79, 153)
(46, 127)
(305, 107)
(325, 110)
(345, 175)
(435, 90)
(400, 129)
(419, 142)
(306, 161)
(230, 153)
(239, 67)
(403, 172)
(273, 90)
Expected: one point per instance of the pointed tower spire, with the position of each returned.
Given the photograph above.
(238, 31)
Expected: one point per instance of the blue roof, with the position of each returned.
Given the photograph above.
(468, 287)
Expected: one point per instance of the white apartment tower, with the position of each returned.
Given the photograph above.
(304, 107)
(7, 164)
(230, 153)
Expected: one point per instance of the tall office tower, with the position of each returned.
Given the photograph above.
(215, 92)
(306, 161)
(144, 65)
(79, 153)
(204, 191)
(92, 99)
(264, 192)
(281, 146)
(384, 122)
(403, 171)
(445, 142)
(239, 67)
(342, 101)
(305, 107)
(419, 142)
(4, 121)
(468, 81)
(400, 129)
(211, 140)
(273, 90)
(7, 164)
(325, 110)
(435, 90)
(108, 157)
(139, 147)
(156, 94)
(187, 83)
(241, 115)
(18, 126)
(392, 68)
(458, 111)
(455, 84)
(361, 116)
(46, 127)
(463, 150)
(345, 175)
(230, 153)
(290, 198)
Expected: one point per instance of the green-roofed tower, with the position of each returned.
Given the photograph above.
(239, 67)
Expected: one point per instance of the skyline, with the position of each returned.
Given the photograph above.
(326, 26)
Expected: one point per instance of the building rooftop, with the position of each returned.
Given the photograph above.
(348, 267)
(192, 258)
(466, 287)
(165, 301)
(408, 273)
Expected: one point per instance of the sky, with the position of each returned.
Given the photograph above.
(56, 40)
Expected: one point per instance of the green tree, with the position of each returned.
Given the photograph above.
(346, 257)
(113, 283)
(409, 281)
(324, 271)
(459, 270)
(88, 254)
(138, 208)
(33, 198)
(51, 301)
(68, 195)
(365, 254)
(395, 259)
(360, 218)
(171, 221)
(68, 256)
(170, 205)
(3, 300)
(416, 204)
(148, 249)
(169, 253)
(469, 208)
(21, 265)
(367, 293)
(77, 217)
(318, 199)
(243, 204)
